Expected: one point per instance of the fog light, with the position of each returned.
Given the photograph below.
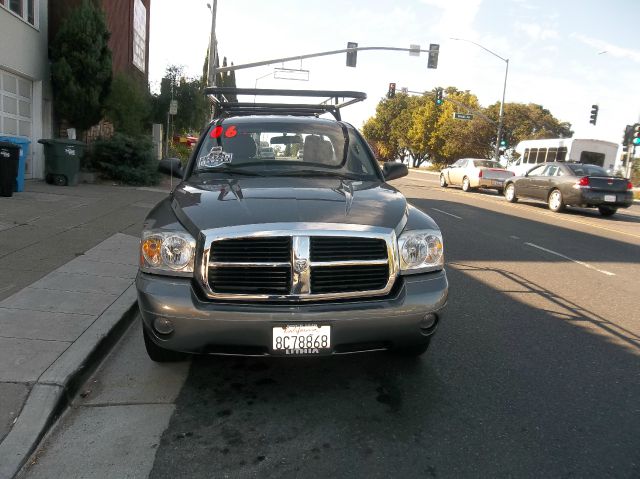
(163, 325)
(428, 323)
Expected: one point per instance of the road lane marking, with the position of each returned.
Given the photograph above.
(582, 263)
(497, 200)
(444, 212)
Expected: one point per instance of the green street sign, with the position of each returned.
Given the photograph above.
(463, 116)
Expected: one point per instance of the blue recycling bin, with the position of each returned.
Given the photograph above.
(24, 144)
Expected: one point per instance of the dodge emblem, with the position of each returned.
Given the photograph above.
(300, 265)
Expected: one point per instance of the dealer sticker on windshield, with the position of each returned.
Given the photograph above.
(301, 339)
(216, 157)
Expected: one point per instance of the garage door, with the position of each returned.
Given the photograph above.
(16, 95)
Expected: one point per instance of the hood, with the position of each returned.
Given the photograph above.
(216, 203)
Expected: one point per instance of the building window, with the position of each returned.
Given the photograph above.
(139, 35)
(27, 10)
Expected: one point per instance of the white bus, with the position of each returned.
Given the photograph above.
(594, 152)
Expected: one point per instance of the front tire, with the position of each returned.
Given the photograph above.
(158, 354)
(556, 202)
(607, 210)
(466, 185)
(510, 193)
(443, 181)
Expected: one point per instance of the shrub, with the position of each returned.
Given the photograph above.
(124, 158)
(181, 151)
(128, 106)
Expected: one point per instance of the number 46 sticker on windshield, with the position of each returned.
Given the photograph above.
(218, 131)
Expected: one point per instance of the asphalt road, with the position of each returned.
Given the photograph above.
(534, 372)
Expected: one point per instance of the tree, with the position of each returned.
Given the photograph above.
(128, 106)
(81, 66)
(381, 130)
(193, 107)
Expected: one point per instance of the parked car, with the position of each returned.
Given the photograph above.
(472, 173)
(310, 256)
(571, 184)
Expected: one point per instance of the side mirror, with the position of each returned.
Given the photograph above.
(171, 166)
(391, 171)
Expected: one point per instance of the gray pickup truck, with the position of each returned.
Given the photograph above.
(288, 256)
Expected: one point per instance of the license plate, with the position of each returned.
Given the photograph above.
(301, 339)
(610, 198)
(497, 182)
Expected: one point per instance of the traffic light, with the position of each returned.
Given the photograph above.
(594, 114)
(392, 90)
(438, 99)
(434, 50)
(352, 57)
(636, 134)
(628, 135)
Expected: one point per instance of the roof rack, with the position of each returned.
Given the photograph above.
(228, 108)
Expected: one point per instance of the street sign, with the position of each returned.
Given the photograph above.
(173, 107)
(414, 50)
(463, 116)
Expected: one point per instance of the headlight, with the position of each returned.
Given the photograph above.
(420, 251)
(167, 252)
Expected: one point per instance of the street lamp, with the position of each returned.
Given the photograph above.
(213, 47)
(504, 90)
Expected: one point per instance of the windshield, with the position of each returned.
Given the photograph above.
(280, 147)
(587, 170)
(487, 164)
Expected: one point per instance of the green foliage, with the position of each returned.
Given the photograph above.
(415, 127)
(128, 106)
(193, 106)
(181, 151)
(81, 66)
(127, 159)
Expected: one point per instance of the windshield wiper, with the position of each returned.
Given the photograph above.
(229, 171)
(310, 173)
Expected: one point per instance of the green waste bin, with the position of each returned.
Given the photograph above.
(62, 160)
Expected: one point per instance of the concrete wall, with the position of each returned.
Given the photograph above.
(23, 51)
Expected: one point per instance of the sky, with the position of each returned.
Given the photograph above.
(565, 55)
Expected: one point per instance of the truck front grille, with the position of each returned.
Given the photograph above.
(300, 266)
(342, 279)
(336, 248)
(243, 280)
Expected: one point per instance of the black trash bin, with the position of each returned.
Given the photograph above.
(62, 160)
(9, 158)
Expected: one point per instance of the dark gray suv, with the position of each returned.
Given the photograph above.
(288, 254)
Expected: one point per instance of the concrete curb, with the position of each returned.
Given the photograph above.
(55, 388)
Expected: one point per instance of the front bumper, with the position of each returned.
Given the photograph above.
(205, 326)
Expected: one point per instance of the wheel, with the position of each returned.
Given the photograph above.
(443, 182)
(158, 354)
(607, 210)
(60, 180)
(556, 204)
(413, 351)
(466, 185)
(510, 193)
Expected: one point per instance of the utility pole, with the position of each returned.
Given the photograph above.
(213, 46)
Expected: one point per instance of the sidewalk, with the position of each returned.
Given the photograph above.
(68, 260)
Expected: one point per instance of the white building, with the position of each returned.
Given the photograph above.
(25, 88)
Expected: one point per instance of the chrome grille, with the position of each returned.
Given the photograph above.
(245, 250)
(340, 248)
(300, 263)
(340, 279)
(242, 280)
